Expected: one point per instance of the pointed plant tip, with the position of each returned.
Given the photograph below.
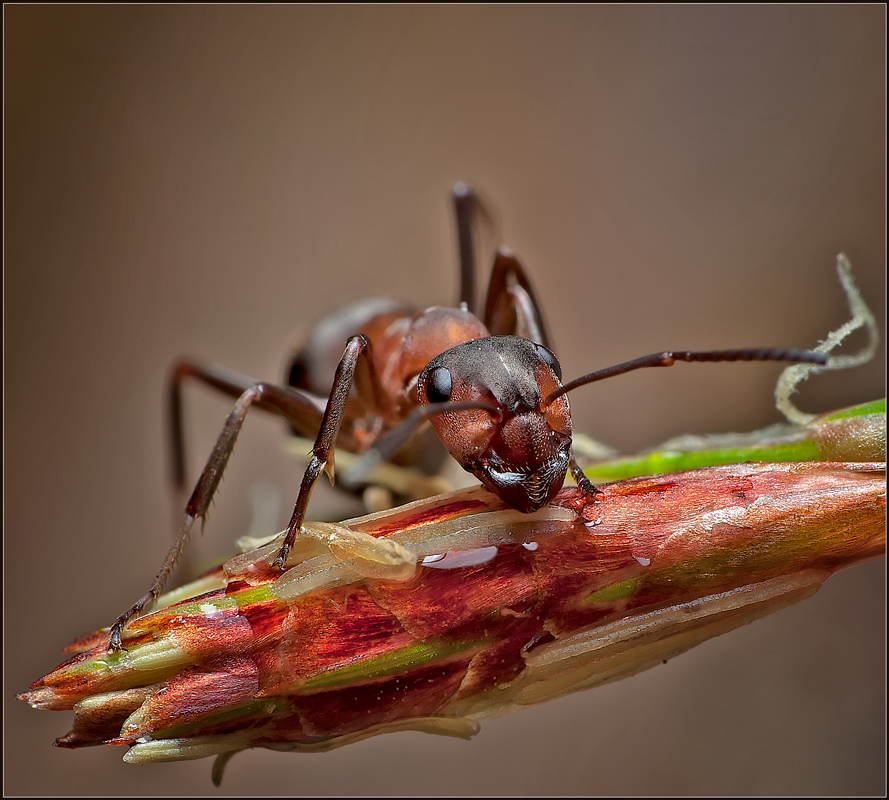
(250, 665)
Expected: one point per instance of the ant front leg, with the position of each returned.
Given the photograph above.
(290, 403)
(585, 485)
(322, 452)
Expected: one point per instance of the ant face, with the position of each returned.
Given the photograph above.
(522, 452)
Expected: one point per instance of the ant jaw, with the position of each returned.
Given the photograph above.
(524, 488)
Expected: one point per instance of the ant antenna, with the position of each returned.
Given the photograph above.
(668, 358)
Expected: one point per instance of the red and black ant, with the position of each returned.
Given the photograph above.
(490, 387)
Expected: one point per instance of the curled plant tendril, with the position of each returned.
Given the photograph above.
(862, 317)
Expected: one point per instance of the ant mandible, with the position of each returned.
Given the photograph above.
(490, 387)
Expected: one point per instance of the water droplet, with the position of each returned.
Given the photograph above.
(461, 558)
(210, 610)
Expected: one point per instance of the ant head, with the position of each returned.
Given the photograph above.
(521, 453)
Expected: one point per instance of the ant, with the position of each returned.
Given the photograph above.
(490, 387)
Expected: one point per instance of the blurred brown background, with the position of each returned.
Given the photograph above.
(208, 180)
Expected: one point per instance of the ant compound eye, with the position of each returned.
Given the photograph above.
(550, 360)
(438, 385)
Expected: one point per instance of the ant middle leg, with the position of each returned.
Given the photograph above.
(511, 306)
(304, 409)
